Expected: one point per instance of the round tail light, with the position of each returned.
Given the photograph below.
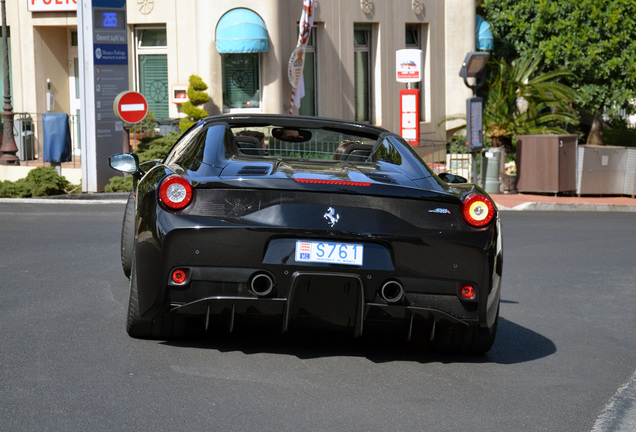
(478, 210)
(175, 192)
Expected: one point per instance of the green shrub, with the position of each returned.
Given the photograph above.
(119, 184)
(39, 181)
(9, 189)
(622, 137)
(197, 98)
(156, 148)
(46, 181)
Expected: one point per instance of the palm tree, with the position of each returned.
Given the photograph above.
(520, 103)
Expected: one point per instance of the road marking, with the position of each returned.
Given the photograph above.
(619, 414)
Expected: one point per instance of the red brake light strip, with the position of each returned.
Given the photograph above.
(332, 182)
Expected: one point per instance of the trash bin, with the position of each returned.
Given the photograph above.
(546, 163)
(23, 136)
(493, 168)
(57, 138)
(602, 170)
(630, 173)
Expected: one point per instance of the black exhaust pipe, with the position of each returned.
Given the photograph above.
(392, 291)
(262, 284)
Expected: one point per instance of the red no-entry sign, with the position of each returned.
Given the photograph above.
(130, 106)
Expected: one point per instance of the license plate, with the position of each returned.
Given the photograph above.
(329, 252)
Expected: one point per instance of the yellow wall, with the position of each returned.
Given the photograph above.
(52, 63)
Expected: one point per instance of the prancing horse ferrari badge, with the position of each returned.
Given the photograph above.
(332, 216)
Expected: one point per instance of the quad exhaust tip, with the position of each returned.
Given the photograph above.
(262, 284)
(392, 291)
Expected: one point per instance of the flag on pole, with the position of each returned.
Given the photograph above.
(297, 59)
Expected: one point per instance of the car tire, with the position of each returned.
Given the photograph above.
(136, 326)
(471, 340)
(162, 325)
(128, 235)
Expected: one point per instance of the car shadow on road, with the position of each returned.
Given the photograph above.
(514, 344)
(518, 344)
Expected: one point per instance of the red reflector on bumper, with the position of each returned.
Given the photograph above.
(467, 292)
(179, 277)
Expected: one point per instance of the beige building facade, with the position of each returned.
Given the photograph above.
(350, 68)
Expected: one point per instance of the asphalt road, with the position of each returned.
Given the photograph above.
(564, 359)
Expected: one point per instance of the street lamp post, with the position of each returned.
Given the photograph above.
(8, 148)
(474, 66)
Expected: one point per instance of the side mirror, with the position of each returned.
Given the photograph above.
(452, 178)
(124, 162)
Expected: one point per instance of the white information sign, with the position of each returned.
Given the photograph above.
(408, 65)
(103, 52)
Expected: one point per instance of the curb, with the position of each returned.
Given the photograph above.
(61, 201)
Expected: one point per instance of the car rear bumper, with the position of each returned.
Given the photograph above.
(326, 299)
(424, 269)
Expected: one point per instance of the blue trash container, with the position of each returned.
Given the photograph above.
(57, 138)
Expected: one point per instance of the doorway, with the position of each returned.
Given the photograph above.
(74, 91)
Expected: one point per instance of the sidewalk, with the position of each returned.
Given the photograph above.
(549, 202)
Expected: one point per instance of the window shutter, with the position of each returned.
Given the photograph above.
(153, 83)
(240, 81)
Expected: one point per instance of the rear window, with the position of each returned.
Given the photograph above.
(302, 143)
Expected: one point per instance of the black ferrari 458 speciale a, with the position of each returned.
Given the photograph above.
(306, 222)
